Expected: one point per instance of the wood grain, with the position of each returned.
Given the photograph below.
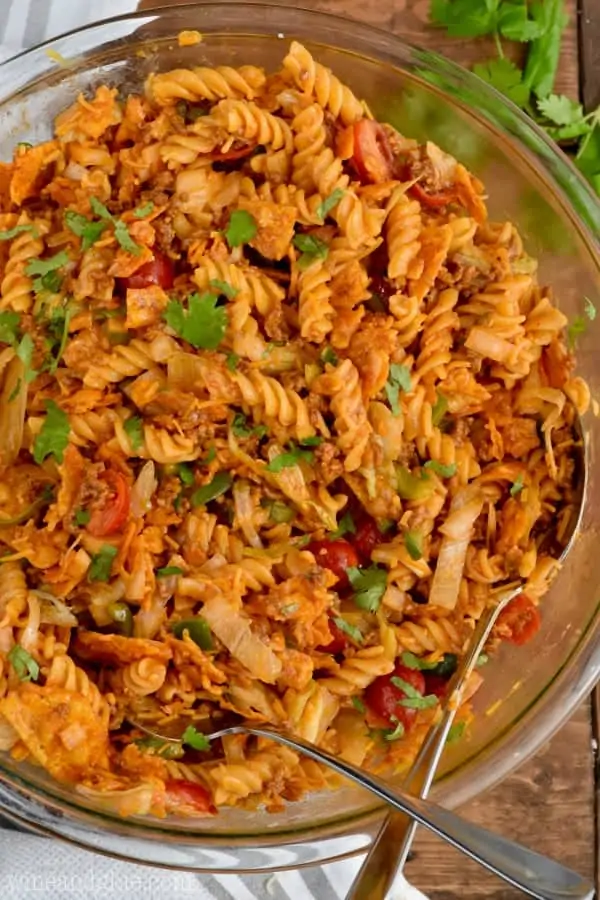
(548, 805)
(589, 44)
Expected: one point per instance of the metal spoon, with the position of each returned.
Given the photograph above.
(387, 857)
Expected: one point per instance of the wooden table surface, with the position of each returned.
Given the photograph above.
(550, 804)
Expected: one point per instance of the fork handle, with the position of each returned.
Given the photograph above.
(536, 875)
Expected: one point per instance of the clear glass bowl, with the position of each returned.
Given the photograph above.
(528, 692)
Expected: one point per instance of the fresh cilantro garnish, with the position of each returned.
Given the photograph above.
(397, 732)
(102, 563)
(241, 229)
(352, 631)
(506, 77)
(398, 380)
(165, 571)
(329, 356)
(140, 212)
(124, 239)
(195, 739)
(345, 526)
(18, 229)
(54, 436)
(456, 732)
(590, 309)
(482, 660)
(574, 330)
(25, 353)
(82, 517)
(445, 667)
(161, 747)
(241, 429)
(369, 586)
(134, 430)
(231, 361)
(23, 663)
(517, 486)
(9, 327)
(58, 326)
(219, 485)
(84, 228)
(413, 698)
(311, 247)
(544, 53)
(185, 473)
(290, 458)
(99, 209)
(278, 511)
(474, 18)
(328, 203)
(202, 325)
(49, 278)
(413, 541)
(439, 409)
(564, 119)
(440, 469)
(223, 288)
(314, 441)
(358, 705)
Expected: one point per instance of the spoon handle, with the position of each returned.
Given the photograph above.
(387, 857)
(536, 875)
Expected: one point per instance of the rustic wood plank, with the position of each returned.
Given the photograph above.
(596, 766)
(589, 44)
(547, 805)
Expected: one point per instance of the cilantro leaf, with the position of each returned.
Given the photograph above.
(25, 666)
(544, 52)
(311, 247)
(513, 22)
(505, 77)
(202, 325)
(518, 486)
(329, 356)
(99, 209)
(588, 155)
(140, 212)
(369, 586)
(439, 409)
(445, 667)
(482, 660)
(84, 228)
(413, 541)
(278, 511)
(54, 436)
(560, 110)
(413, 698)
(59, 324)
(398, 380)
(223, 288)
(165, 571)
(574, 330)
(82, 517)
(25, 354)
(328, 203)
(315, 441)
(232, 361)
(219, 485)
(589, 308)
(195, 739)
(9, 327)
(241, 429)
(45, 266)
(354, 633)
(185, 473)
(464, 18)
(346, 526)
(124, 239)
(241, 229)
(290, 458)
(397, 733)
(456, 732)
(358, 705)
(18, 229)
(134, 430)
(440, 469)
(101, 564)
(161, 747)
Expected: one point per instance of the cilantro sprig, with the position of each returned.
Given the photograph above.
(25, 666)
(312, 249)
(398, 380)
(54, 435)
(369, 586)
(292, 457)
(202, 324)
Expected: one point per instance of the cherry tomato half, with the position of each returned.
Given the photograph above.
(338, 643)
(337, 556)
(111, 515)
(186, 798)
(433, 200)
(382, 696)
(520, 621)
(366, 538)
(373, 158)
(158, 270)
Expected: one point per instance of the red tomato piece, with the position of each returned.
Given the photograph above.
(373, 158)
(520, 621)
(338, 643)
(366, 538)
(436, 684)
(435, 201)
(158, 270)
(112, 514)
(382, 696)
(337, 556)
(186, 798)
(234, 153)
